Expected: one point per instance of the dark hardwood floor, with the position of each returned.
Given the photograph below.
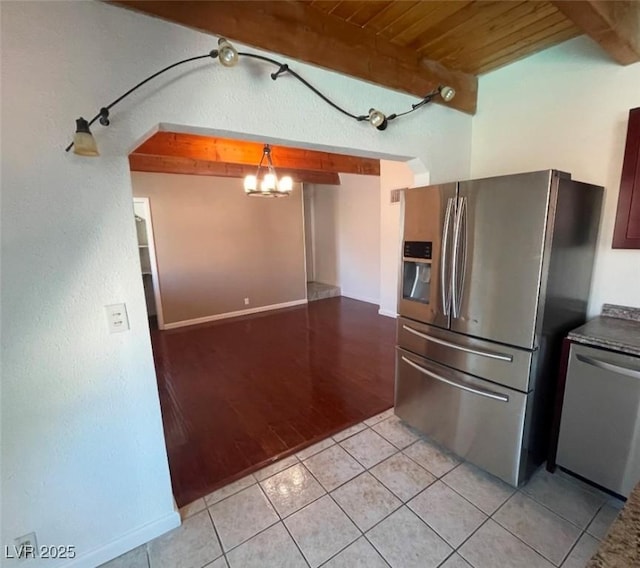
(238, 394)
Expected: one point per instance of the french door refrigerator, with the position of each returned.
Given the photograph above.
(494, 272)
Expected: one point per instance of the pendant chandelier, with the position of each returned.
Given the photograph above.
(269, 185)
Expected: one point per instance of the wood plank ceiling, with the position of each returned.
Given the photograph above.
(470, 36)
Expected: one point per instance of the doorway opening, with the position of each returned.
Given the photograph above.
(248, 371)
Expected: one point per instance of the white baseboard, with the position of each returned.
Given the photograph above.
(387, 313)
(126, 543)
(216, 317)
(375, 301)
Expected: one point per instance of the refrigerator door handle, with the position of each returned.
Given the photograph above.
(619, 369)
(489, 354)
(480, 392)
(446, 298)
(458, 265)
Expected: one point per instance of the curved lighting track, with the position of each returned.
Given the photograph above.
(228, 57)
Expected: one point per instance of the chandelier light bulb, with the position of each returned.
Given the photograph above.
(250, 183)
(227, 54)
(377, 119)
(285, 184)
(269, 183)
(447, 93)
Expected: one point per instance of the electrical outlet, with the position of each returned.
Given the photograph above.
(25, 547)
(117, 318)
(246, 301)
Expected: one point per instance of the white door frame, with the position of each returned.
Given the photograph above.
(144, 201)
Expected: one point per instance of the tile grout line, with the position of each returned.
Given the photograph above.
(438, 532)
(572, 548)
(523, 542)
(295, 542)
(215, 531)
(581, 529)
(520, 490)
(230, 495)
(225, 552)
(391, 490)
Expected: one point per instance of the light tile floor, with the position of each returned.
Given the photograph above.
(380, 495)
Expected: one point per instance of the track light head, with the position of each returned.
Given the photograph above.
(378, 119)
(447, 93)
(84, 144)
(227, 54)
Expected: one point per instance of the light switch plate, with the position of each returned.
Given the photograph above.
(117, 318)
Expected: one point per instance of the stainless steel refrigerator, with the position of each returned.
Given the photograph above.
(494, 272)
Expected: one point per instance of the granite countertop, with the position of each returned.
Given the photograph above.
(621, 547)
(618, 328)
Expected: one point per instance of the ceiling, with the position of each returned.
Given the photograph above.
(470, 36)
(411, 46)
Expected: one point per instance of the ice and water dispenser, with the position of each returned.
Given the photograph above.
(416, 271)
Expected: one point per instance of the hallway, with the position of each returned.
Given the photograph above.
(239, 394)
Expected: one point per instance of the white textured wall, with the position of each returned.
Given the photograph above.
(83, 452)
(347, 236)
(565, 108)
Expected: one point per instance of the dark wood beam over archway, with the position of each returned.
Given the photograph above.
(188, 166)
(211, 149)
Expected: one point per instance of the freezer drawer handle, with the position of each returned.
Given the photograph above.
(488, 394)
(609, 366)
(489, 354)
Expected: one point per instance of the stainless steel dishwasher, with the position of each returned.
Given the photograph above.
(600, 425)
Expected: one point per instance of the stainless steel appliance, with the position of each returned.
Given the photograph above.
(600, 426)
(494, 272)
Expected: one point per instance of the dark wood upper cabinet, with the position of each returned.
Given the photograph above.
(626, 233)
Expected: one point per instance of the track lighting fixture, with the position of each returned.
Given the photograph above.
(84, 144)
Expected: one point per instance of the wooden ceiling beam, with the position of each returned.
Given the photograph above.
(188, 166)
(614, 24)
(298, 30)
(211, 149)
